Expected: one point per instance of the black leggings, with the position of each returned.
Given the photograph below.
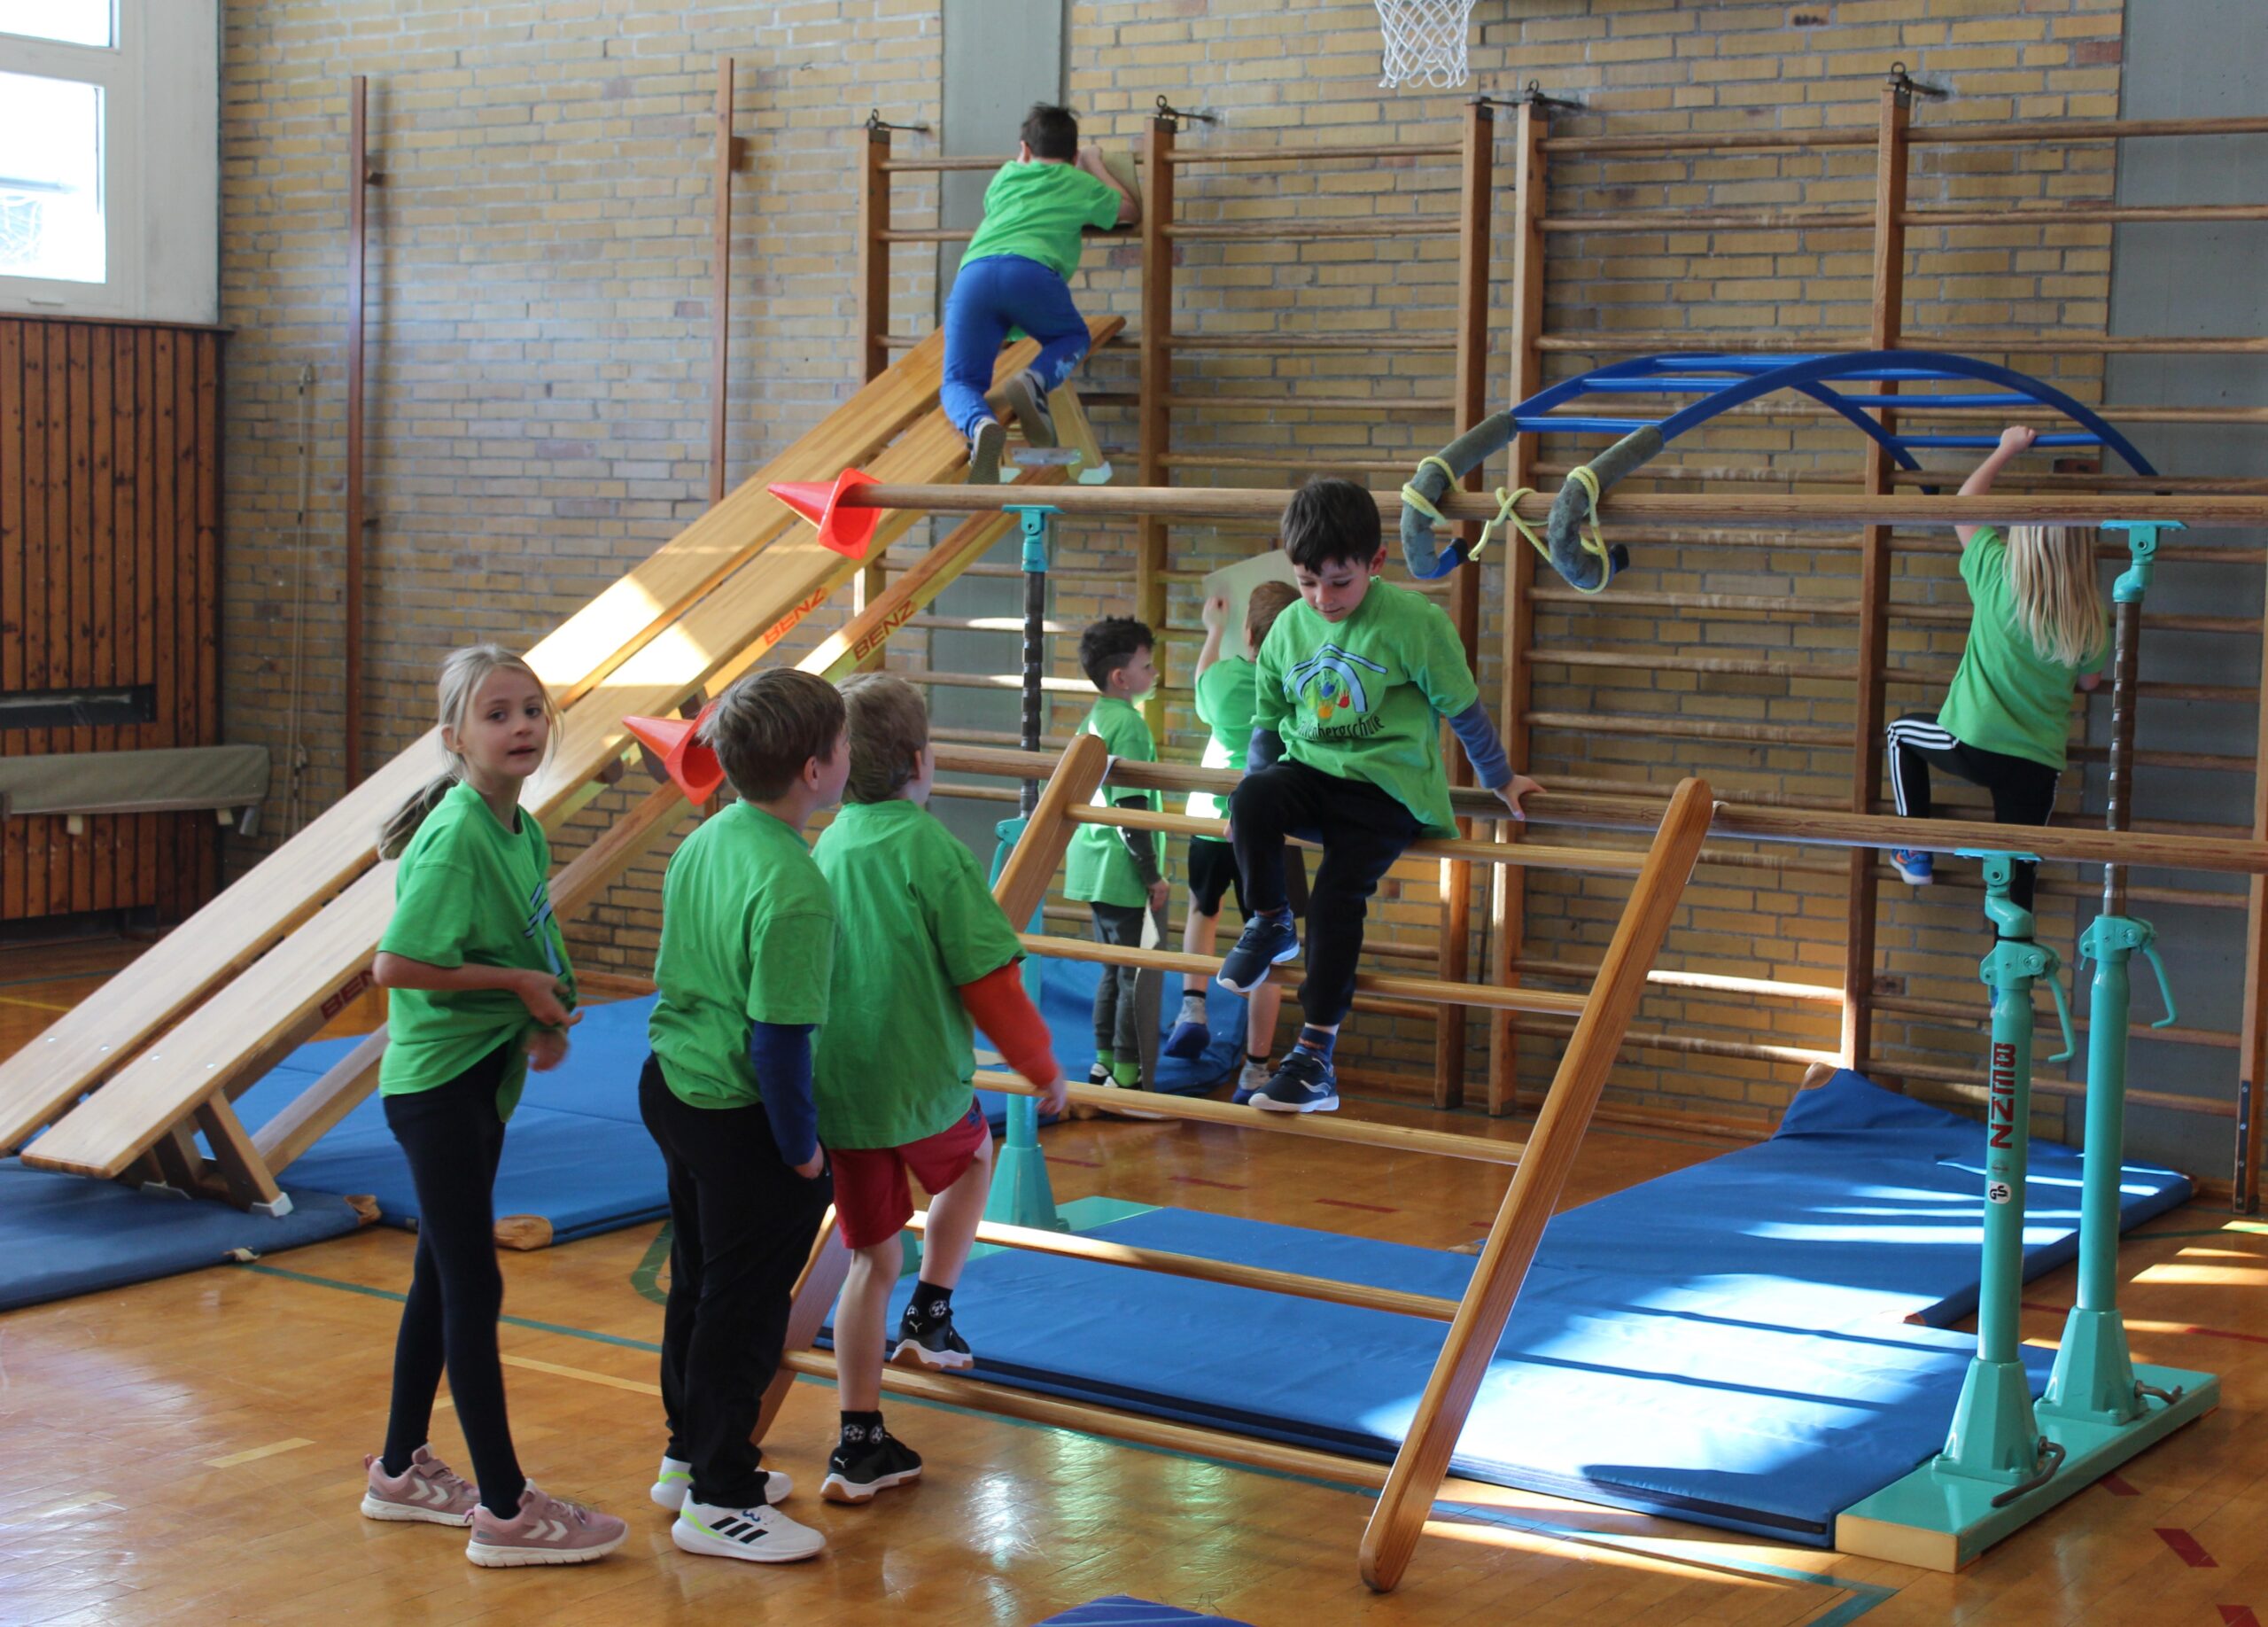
(1117, 1029)
(2024, 791)
(741, 1227)
(452, 1137)
(1362, 831)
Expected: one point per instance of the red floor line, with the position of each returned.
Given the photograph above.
(2117, 1487)
(1084, 1163)
(2191, 1551)
(2185, 1328)
(2239, 1615)
(1199, 1180)
(1376, 1209)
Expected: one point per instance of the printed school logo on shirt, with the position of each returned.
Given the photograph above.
(538, 919)
(1328, 683)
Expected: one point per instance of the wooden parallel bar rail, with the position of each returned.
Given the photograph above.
(1968, 1016)
(935, 166)
(1367, 404)
(1195, 1268)
(1296, 157)
(1764, 604)
(925, 234)
(1278, 232)
(1828, 671)
(358, 182)
(1662, 727)
(1392, 985)
(720, 278)
(1750, 820)
(2088, 214)
(1346, 1132)
(1969, 1085)
(1292, 344)
(1601, 860)
(2038, 131)
(1775, 508)
(1712, 220)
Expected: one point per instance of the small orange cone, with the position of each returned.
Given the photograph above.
(693, 765)
(846, 531)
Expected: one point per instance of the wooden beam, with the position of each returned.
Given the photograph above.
(720, 278)
(1508, 886)
(1156, 423)
(1885, 321)
(1423, 1461)
(1478, 152)
(2252, 1051)
(358, 178)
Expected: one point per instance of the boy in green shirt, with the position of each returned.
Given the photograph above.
(1226, 697)
(1357, 678)
(1116, 873)
(1012, 277)
(921, 951)
(747, 956)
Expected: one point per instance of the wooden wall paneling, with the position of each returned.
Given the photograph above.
(125, 561)
(101, 844)
(148, 828)
(168, 675)
(188, 837)
(54, 547)
(12, 562)
(208, 591)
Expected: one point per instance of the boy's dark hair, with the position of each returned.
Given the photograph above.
(888, 727)
(1268, 601)
(1110, 644)
(769, 725)
(1050, 132)
(1329, 520)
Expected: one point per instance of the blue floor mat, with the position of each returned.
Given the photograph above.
(1123, 1610)
(578, 1154)
(1741, 1343)
(1067, 1002)
(65, 1234)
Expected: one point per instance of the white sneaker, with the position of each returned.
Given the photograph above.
(764, 1535)
(673, 1484)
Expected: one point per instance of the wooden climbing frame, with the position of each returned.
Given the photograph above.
(1476, 1322)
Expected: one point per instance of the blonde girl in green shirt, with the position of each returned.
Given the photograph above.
(2037, 629)
(480, 992)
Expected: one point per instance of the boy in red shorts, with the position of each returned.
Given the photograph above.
(921, 949)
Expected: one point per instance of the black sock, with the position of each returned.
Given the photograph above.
(396, 1471)
(1255, 1059)
(930, 1302)
(861, 1426)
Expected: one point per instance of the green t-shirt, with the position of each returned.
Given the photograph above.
(1364, 699)
(916, 920)
(1098, 869)
(467, 892)
(1037, 209)
(2005, 697)
(748, 936)
(1225, 702)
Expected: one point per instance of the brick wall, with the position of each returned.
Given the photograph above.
(539, 344)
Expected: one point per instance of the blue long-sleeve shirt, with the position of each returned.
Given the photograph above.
(781, 1053)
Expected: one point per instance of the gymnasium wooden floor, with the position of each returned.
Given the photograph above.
(191, 1449)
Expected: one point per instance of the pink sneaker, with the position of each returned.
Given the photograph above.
(425, 1490)
(547, 1531)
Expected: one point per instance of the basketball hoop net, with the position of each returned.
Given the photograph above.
(1424, 41)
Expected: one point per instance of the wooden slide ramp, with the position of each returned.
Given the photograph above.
(698, 609)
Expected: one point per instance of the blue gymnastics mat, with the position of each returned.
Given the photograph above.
(1747, 1343)
(65, 1234)
(578, 1155)
(1123, 1610)
(1068, 1000)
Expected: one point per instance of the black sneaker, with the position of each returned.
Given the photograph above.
(1099, 1077)
(932, 1343)
(984, 451)
(856, 1469)
(1304, 1084)
(1023, 397)
(1267, 943)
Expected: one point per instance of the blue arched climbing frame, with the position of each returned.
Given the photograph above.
(1722, 382)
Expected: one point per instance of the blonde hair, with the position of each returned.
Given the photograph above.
(771, 723)
(1268, 601)
(2059, 601)
(462, 673)
(888, 727)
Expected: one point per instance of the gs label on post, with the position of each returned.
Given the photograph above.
(1999, 1191)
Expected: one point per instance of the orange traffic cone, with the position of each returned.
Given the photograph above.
(691, 765)
(846, 531)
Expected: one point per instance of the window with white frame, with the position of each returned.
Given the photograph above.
(109, 171)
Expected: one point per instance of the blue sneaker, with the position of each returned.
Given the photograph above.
(1917, 868)
(1188, 1040)
(1304, 1084)
(1267, 943)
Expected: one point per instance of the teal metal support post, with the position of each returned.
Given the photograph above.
(2094, 1370)
(1021, 1195)
(1994, 1435)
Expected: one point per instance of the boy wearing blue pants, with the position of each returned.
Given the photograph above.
(1012, 277)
